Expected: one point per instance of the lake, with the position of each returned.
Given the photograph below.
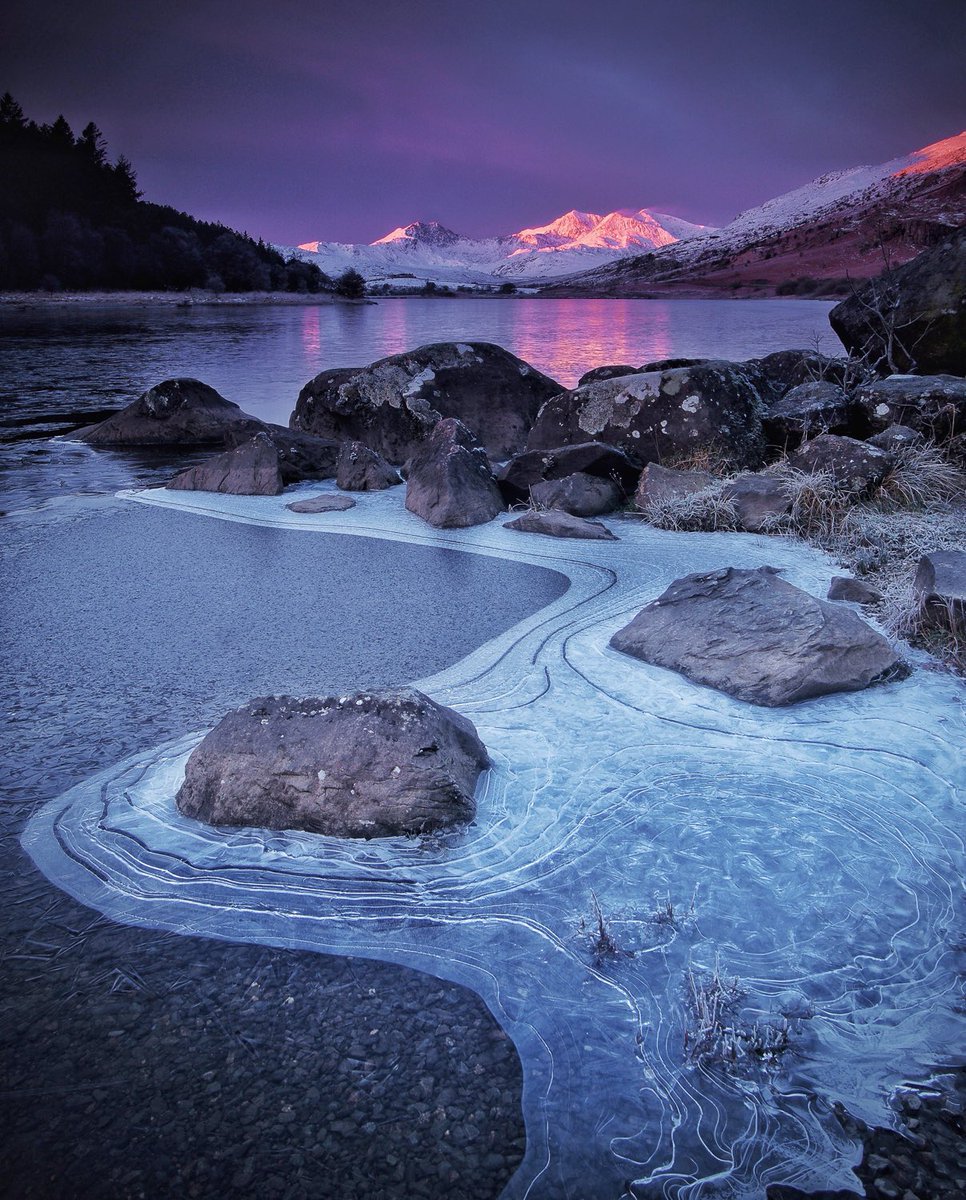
(141, 1062)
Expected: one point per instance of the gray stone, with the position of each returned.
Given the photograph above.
(914, 315)
(777, 373)
(756, 637)
(940, 585)
(363, 470)
(857, 591)
(251, 469)
(661, 415)
(855, 467)
(373, 764)
(321, 504)
(933, 405)
(806, 410)
(177, 412)
(758, 499)
(393, 405)
(580, 494)
(450, 483)
(659, 484)
(896, 437)
(557, 523)
(517, 476)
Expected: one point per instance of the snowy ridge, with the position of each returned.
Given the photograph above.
(423, 250)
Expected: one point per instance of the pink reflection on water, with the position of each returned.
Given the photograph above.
(311, 334)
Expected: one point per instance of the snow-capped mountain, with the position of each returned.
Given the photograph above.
(840, 225)
(427, 250)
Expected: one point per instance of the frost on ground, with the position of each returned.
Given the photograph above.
(822, 845)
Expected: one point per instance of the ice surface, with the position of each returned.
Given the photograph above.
(823, 845)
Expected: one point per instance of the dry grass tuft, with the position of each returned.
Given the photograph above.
(704, 511)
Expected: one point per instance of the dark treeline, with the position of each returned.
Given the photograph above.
(71, 219)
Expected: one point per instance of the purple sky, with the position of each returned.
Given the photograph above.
(339, 119)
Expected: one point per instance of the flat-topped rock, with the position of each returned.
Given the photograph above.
(557, 523)
(372, 764)
(758, 638)
(321, 504)
(940, 585)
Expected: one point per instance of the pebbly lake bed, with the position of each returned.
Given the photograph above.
(240, 1062)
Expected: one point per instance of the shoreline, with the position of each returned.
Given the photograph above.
(193, 299)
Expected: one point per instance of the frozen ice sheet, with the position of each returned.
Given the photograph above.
(822, 844)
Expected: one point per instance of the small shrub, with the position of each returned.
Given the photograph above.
(920, 476)
(706, 511)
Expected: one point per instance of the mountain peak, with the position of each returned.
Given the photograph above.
(427, 233)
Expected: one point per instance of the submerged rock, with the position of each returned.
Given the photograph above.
(373, 764)
(661, 415)
(756, 637)
(251, 469)
(393, 405)
(450, 483)
(177, 412)
(557, 523)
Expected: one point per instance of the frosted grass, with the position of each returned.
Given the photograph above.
(823, 846)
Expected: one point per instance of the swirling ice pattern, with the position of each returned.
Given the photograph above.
(822, 845)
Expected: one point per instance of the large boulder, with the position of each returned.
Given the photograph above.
(393, 405)
(806, 410)
(854, 467)
(177, 412)
(580, 494)
(661, 415)
(557, 523)
(940, 587)
(933, 405)
(912, 318)
(777, 373)
(373, 764)
(758, 638)
(450, 483)
(363, 470)
(517, 476)
(251, 469)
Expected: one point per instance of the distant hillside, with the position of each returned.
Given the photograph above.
(812, 241)
(70, 219)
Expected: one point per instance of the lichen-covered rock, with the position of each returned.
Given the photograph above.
(777, 373)
(660, 484)
(177, 412)
(806, 410)
(758, 638)
(517, 476)
(450, 483)
(251, 469)
(372, 764)
(360, 469)
(393, 405)
(758, 499)
(896, 437)
(580, 494)
(660, 415)
(914, 316)
(557, 523)
(933, 405)
(854, 467)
